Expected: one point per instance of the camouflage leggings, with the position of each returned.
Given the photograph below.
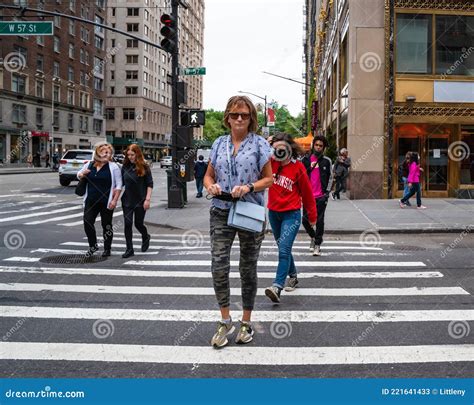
(222, 237)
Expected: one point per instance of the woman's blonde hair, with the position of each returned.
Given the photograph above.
(239, 101)
(101, 145)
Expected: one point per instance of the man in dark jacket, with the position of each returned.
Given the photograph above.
(200, 168)
(319, 172)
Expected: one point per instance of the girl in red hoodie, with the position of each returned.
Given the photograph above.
(290, 187)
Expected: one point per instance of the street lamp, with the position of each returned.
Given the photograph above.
(264, 98)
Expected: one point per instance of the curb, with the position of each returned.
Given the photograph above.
(26, 172)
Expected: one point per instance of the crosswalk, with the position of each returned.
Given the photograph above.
(357, 305)
(38, 209)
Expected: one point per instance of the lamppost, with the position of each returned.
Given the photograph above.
(264, 98)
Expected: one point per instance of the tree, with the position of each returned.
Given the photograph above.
(214, 126)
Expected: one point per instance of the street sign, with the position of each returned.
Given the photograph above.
(194, 71)
(26, 28)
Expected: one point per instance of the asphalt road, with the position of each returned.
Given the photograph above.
(400, 307)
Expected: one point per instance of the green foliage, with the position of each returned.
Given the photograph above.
(214, 126)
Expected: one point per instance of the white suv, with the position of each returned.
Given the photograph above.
(71, 163)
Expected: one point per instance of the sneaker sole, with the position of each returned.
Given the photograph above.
(316, 254)
(226, 342)
(272, 296)
(289, 289)
(242, 342)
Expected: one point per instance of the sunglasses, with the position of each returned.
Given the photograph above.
(235, 115)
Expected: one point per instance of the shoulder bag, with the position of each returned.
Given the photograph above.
(82, 185)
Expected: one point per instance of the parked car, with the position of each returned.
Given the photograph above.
(119, 158)
(149, 159)
(71, 163)
(165, 161)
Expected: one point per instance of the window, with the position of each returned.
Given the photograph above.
(110, 113)
(56, 119)
(112, 42)
(133, 12)
(56, 69)
(87, 58)
(132, 59)
(145, 61)
(85, 34)
(131, 74)
(39, 88)
(132, 27)
(19, 114)
(98, 65)
(414, 43)
(132, 43)
(72, 5)
(18, 84)
(344, 63)
(39, 116)
(147, 15)
(82, 78)
(112, 90)
(83, 100)
(56, 44)
(72, 27)
(98, 107)
(99, 20)
(97, 125)
(86, 124)
(82, 56)
(113, 11)
(70, 121)
(40, 40)
(112, 59)
(467, 164)
(56, 93)
(131, 90)
(40, 63)
(99, 42)
(98, 84)
(70, 96)
(146, 30)
(81, 123)
(128, 114)
(100, 3)
(71, 51)
(112, 75)
(454, 41)
(57, 21)
(70, 73)
(129, 134)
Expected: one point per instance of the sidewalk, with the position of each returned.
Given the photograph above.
(343, 216)
(23, 170)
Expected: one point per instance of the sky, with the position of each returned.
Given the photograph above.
(242, 39)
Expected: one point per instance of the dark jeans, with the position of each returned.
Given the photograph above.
(222, 237)
(317, 234)
(285, 226)
(339, 186)
(91, 211)
(415, 189)
(199, 184)
(128, 213)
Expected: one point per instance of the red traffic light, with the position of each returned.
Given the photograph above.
(167, 20)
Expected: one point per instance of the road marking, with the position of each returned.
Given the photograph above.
(30, 195)
(35, 208)
(248, 355)
(116, 214)
(40, 214)
(55, 219)
(123, 245)
(183, 315)
(22, 259)
(315, 292)
(207, 274)
(207, 263)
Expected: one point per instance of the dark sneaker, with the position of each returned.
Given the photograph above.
(146, 243)
(291, 284)
(220, 337)
(245, 334)
(92, 250)
(106, 253)
(128, 253)
(333, 197)
(273, 293)
(317, 250)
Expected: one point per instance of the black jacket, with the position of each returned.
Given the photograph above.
(325, 171)
(135, 186)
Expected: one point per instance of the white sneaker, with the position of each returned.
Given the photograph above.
(421, 207)
(317, 250)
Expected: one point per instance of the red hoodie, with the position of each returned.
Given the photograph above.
(290, 188)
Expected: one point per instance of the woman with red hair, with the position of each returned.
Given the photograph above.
(136, 199)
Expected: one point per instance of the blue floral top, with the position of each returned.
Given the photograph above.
(244, 168)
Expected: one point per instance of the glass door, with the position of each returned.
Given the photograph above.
(436, 166)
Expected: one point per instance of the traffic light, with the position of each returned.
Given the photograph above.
(169, 32)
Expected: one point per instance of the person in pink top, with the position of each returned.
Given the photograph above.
(414, 175)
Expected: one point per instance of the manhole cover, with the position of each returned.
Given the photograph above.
(409, 248)
(72, 259)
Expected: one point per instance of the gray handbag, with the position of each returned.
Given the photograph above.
(243, 214)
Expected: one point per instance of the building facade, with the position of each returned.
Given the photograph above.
(139, 82)
(395, 76)
(52, 87)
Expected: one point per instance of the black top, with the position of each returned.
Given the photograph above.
(200, 168)
(99, 184)
(135, 186)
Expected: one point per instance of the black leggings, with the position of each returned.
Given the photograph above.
(91, 211)
(128, 213)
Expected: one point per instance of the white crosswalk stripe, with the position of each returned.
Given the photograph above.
(393, 292)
